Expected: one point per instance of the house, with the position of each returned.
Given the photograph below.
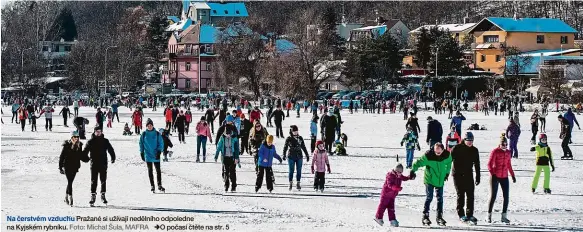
(458, 31)
(394, 27)
(214, 12)
(55, 53)
(492, 35)
(342, 29)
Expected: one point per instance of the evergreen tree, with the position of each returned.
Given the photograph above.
(64, 27)
(330, 38)
(449, 55)
(158, 37)
(422, 50)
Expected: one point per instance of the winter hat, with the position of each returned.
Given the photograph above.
(269, 139)
(149, 122)
(542, 136)
(319, 142)
(242, 116)
(75, 134)
(230, 118)
(469, 136)
(294, 128)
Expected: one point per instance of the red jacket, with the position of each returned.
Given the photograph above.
(137, 118)
(392, 185)
(168, 115)
(500, 163)
(255, 115)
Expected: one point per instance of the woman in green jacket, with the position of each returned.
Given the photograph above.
(437, 163)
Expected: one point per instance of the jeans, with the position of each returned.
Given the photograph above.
(298, 167)
(504, 183)
(201, 142)
(70, 178)
(151, 173)
(76, 110)
(410, 157)
(102, 173)
(429, 191)
(514, 148)
(464, 186)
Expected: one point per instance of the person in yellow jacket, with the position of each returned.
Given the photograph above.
(544, 159)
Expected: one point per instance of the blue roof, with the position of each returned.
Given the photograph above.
(173, 18)
(228, 9)
(536, 61)
(532, 25)
(284, 46)
(208, 34)
(185, 4)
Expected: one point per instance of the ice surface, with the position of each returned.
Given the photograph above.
(32, 185)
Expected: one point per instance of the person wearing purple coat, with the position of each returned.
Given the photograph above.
(391, 189)
(512, 133)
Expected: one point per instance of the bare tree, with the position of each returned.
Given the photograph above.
(552, 77)
(515, 64)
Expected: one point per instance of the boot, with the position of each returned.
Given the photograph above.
(394, 223)
(67, 199)
(533, 190)
(298, 186)
(103, 198)
(161, 189)
(426, 220)
(92, 201)
(504, 219)
(153, 189)
(291, 184)
(70, 200)
(379, 221)
(489, 218)
(548, 191)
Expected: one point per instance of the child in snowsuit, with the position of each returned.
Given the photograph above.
(453, 138)
(167, 143)
(391, 189)
(266, 154)
(411, 140)
(127, 130)
(544, 159)
(340, 149)
(319, 159)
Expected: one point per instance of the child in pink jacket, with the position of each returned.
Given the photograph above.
(319, 159)
(391, 189)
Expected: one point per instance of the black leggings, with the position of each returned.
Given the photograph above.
(534, 132)
(102, 174)
(565, 146)
(22, 123)
(268, 178)
(70, 178)
(151, 174)
(14, 115)
(49, 124)
(505, 184)
(180, 135)
(543, 124)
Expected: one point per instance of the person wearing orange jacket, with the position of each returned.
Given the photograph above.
(168, 117)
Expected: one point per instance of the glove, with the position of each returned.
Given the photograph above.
(142, 155)
(401, 144)
(62, 171)
(477, 180)
(329, 171)
(446, 177)
(158, 155)
(284, 157)
(513, 179)
(553, 168)
(412, 175)
(307, 158)
(312, 170)
(112, 161)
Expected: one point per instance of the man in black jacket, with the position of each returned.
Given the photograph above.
(66, 113)
(222, 116)
(434, 131)
(246, 126)
(464, 156)
(413, 121)
(98, 146)
(210, 118)
(328, 125)
(278, 117)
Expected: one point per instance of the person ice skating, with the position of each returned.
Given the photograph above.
(151, 147)
(266, 154)
(313, 132)
(256, 137)
(33, 119)
(167, 143)
(544, 159)
(328, 124)
(180, 125)
(437, 163)
(457, 121)
(452, 138)
(320, 161)
(70, 162)
(565, 136)
(76, 107)
(22, 115)
(137, 120)
(464, 156)
(246, 126)
(295, 144)
(228, 146)
(99, 118)
(413, 122)
(175, 112)
(270, 116)
(516, 118)
(513, 133)
(168, 116)
(127, 130)
(339, 123)
(203, 134)
(534, 125)
(98, 146)
(255, 114)
(79, 123)
(278, 116)
(410, 139)
(48, 111)
(340, 149)
(66, 113)
(188, 117)
(391, 189)
(499, 165)
(543, 121)
(109, 116)
(15, 108)
(114, 111)
(570, 116)
(228, 123)
(434, 131)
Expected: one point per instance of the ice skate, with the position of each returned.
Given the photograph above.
(67, 199)
(92, 201)
(472, 220)
(426, 221)
(103, 198)
(153, 189)
(464, 219)
(204, 159)
(70, 200)
(161, 189)
(504, 219)
(291, 184)
(440, 221)
(379, 221)
(197, 160)
(298, 186)
(489, 220)
(394, 223)
(548, 191)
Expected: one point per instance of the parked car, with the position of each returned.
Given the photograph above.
(340, 94)
(326, 96)
(351, 95)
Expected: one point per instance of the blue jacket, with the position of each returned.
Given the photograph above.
(266, 155)
(114, 107)
(313, 128)
(457, 121)
(434, 131)
(151, 143)
(237, 123)
(234, 147)
(15, 107)
(570, 116)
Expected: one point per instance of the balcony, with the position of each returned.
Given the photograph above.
(486, 46)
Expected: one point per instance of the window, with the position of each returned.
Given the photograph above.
(491, 39)
(208, 66)
(188, 48)
(564, 39)
(188, 83)
(187, 66)
(55, 48)
(226, 12)
(214, 11)
(68, 48)
(204, 66)
(172, 65)
(483, 58)
(498, 58)
(209, 48)
(45, 48)
(236, 12)
(540, 39)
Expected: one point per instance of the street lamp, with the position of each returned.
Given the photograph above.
(105, 71)
(22, 64)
